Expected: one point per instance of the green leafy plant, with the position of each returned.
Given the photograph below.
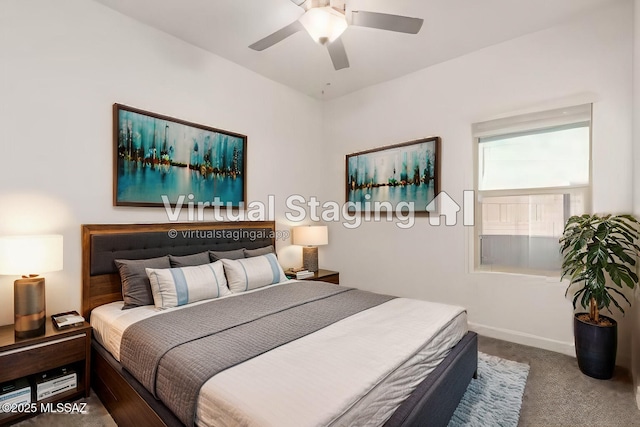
(595, 247)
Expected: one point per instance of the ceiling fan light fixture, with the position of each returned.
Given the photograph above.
(324, 24)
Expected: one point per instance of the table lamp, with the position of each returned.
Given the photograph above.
(29, 256)
(310, 236)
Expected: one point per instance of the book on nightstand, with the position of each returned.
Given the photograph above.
(304, 274)
(67, 319)
(292, 273)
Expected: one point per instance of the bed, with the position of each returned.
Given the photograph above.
(273, 377)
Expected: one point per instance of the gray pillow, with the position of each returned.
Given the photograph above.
(136, 288)
(190, 260)
(234, 254)
(248, 253)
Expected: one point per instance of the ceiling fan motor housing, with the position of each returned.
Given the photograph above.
(339, 5)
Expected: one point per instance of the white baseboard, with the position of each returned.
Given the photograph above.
(524, 339)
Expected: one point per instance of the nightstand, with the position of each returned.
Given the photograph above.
(325, 276)
(21, 358)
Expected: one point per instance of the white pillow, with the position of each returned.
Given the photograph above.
(251, 273)
(172, 287)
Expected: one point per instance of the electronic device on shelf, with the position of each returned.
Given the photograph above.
(14, 393)
(55, 382)
(67, 319)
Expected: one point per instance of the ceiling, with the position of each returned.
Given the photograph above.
(451, 28)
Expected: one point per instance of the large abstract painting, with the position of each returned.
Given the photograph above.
(160, 160)
(390, 175)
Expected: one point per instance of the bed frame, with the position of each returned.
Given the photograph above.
(129, 403)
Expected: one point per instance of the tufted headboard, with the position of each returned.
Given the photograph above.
(103, 243)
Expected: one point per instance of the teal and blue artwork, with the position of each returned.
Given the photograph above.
(159, 159)
(382, 178)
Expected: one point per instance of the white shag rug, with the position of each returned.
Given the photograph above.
(495, 397)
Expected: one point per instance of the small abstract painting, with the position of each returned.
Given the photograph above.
(387, 176)
(159, 160)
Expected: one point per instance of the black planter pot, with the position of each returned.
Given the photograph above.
(596, 347)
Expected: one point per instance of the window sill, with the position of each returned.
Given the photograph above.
(549, 275)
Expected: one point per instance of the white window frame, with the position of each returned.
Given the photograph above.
(523, 123)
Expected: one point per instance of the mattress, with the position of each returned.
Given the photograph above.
(354, 372)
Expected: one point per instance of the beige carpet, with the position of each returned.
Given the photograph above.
(95, 416)
(557, 394)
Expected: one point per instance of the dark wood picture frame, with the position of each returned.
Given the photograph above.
(156, 155)
(406, 172)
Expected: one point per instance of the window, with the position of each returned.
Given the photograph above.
(533, 172)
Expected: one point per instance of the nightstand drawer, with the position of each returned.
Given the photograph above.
(42, 356)
(332, 278)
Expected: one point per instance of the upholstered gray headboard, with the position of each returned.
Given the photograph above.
(103, 243)
(108, 247)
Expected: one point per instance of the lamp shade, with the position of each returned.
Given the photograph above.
(311, 235)
(21, 255)
(324, 24)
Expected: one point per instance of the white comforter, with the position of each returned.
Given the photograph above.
(352, 373)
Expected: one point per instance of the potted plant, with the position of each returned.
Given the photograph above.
(597, 248)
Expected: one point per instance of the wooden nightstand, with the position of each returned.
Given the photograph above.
(20, 358)
(325, 276)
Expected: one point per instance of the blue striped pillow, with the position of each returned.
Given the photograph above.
(251, 273)
(172, 287)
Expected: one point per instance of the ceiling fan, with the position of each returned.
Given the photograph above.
(326, 20)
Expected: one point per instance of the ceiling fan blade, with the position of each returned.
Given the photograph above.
(338, 54)
(383, 21)
(278, 36)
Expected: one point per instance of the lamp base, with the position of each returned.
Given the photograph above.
(310, 258)
(29, 307)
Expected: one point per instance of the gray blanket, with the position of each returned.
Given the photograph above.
(175, 353)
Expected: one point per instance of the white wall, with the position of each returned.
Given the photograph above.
(62, 66)
(586, 60)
